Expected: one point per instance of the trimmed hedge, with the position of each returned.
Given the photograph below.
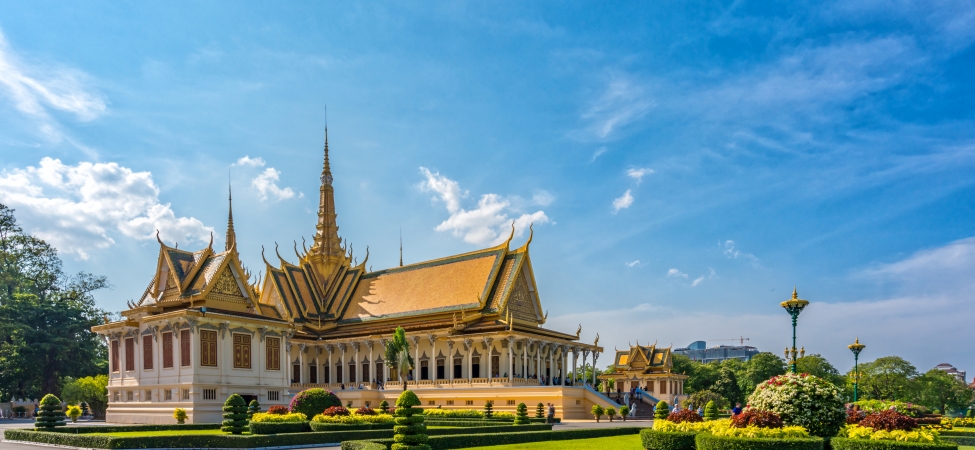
(868, 444)
(127, 428)
(478, 440)
(960, 440)
(708, 441)
(193, 441)
(659, 440)
(279, 427)
(363, 445)
(487, 430)
(319, 426)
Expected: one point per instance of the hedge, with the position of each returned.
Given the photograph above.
(320, 426)
(708, 441)
(192, 441)
(478, 440)
(466, 424)
(960, 440)
(494, 429)
(127, 428)
(868, 444)
(659, 440)
(363, 445)
(279, 427)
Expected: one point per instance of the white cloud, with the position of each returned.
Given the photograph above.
(542, 197)
(633, 263)
(267, 184)
(248, 161)
(599, 152)
(621, 103)
(733, 253)
(488, 223)
(697, 281)
(36, 90)
(674, 273)
(80, 208)
(623, 202)
(638, 174)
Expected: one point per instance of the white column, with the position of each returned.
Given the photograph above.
(575, 362)
(343, 364)
(565, 363)
(450, 361)
(331, 366)
(511, 359)
(301, 363)
(432, 368)
(358, 364)
(416, 358)
(551, 364)
(538, 360)
(469, 347)
(595, 355)
(585, 360)
(524, 358)
(489, 345)
(372, 362)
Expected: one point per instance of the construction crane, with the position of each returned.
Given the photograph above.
(741, 340)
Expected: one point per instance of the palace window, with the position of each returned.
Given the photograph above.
(146, 352)
(450, 403)
(458, 368)
(148, 395)
(185, 394)
(365, 371)
(129, 354)
(274, 396)
(167, 349)
(128, 396)
(184, 348)
(475, 367)
(209, 394)
(338, 373)
(242, 351)
(313, 373)
(274, 353)
(208, 348)
(116, 396)
(440, 369)
(424, 371)
(115, 360)
(511, 403)
(167, 394)
(470, 402)
(431, 403)
(325, 374)
(351, 372)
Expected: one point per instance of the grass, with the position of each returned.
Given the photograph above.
(629, 442)
(161, 433)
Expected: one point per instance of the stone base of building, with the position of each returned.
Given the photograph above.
(570, 402)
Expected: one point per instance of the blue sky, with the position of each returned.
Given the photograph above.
(685, 165)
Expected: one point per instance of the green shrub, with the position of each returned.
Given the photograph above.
(708, 441)
(192, 441)
(279, 427)
(50, 414)
(466, 413)
(624, 411)
(128, 428)
(252, 408)
(459, 423)
(661, 411)
(74, 412)
(710, 411)
(353, 418)
(522, 416)
(313, 401)
(363, 445)
(488, 409)
(611, 412)
(234, 415)
(804, 400)
(409, 432)
(661, 440)
(320, 426)
(707, 395)
(384, 407)
(539, 411)
(180, 415)
(598, 411)
(865, 444)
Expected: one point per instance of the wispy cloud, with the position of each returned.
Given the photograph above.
(732, 252)
(266, 184)
(252, 162)
(638, 173)
(84, 207)
(599, 152)
(621, 103)
(623, 202)
(636, 263)
(36, 90)
(489, 222)
(674, 273)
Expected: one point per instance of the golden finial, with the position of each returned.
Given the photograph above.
(795, 294)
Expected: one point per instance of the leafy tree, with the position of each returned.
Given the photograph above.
(90, 390)
(818, 366)
(398, 355)
(708, 396)
(887, 378)
(624, 411)
(761, 367)
(940, 390)
(727, 385)
(234, 415)
(597, 412)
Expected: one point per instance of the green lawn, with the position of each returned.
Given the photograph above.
(160, 433)
(629, 442)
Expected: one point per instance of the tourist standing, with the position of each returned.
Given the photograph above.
(736, 410)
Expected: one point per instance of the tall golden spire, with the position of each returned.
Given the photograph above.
(231, 235)
(327, 242)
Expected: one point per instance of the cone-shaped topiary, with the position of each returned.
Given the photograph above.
(253, 407)
(409, 433)
(661, 411)
(522, 417)
(710, 411)
(488, 409)
(50, 415)
(234, 415)
(384, 407)
(540, 411)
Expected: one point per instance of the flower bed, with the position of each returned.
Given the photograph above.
(803, 400)
(479, 440)
(839, 443)
(874, 406)
(708, 441)
(353, 418)
(265, 423)
(96, 440)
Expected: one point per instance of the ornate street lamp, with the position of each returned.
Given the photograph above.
(794, 306)
(856, 348)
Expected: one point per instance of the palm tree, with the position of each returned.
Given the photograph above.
(398, 355)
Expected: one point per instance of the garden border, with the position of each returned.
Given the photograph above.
(869, 444)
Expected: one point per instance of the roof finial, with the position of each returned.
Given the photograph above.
(231, 234)
(326, 169)
(401, 246)
(795, 295)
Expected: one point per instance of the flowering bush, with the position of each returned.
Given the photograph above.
(453, 412)
(888, 421)
(278, 418)
(854, 416)
(723, 427)
(755, 418)
(365, 411)
(336, 411)
(688, 427)
(277, 409)
(803, 400)
(959, 422)
(313, 401)
(910, 409)
(684, 415)
(504, 415)
(354, 419)
(861, 432)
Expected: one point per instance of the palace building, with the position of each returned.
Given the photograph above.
(649, 369)
(205, 328)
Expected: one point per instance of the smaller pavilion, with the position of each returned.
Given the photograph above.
(647, 368)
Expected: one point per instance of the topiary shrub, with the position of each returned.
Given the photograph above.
(312, 402)
(336, 411)
(611, 412)
(277, 409)
(659, 440)
(409, 432)
(252, 408)
(522, 417)
(74, 412)
(661, 411)
(710, 411)
(624, 411)
(754, 417)
(889, 421)
(50, 415)
(540, 411)
(234, 415)
(804, 400)
(684, 415)
(384, 407)
(598, 411)
(488, 409)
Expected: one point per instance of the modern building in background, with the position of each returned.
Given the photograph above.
(951, 370)
(699, 351)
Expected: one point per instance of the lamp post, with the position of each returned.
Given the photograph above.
(856, 348)
(794, 306)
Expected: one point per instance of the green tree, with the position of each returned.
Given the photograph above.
(701, 376)
(90, 390)
(234, 415)
(887, 378)
(398, 355)
(597, 412)
(253, 407)
(661, 411)
(708, 396)
(727, 385)
(761, 367)
(710, 411)
(818, 366)
(940, 390)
